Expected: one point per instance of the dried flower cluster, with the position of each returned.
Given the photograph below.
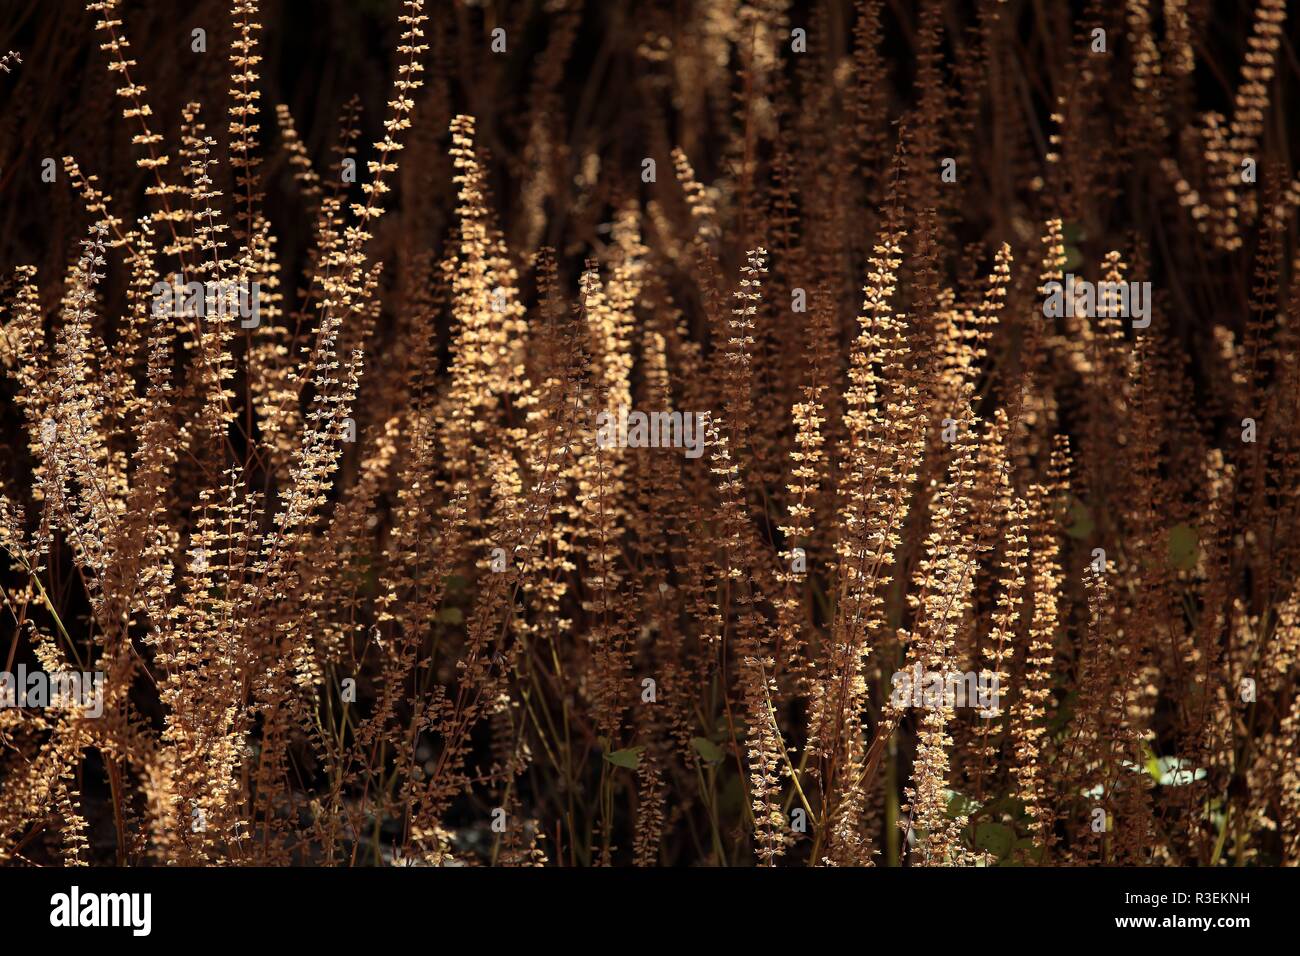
(367, 587)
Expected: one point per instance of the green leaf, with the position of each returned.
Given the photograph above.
(995, 838)
(1026, 846)
(1081, 525)
(959, 805)
(1073, 234)
(1064, 712)
(732, 801)
(1013, 806)
(451, 615)
(707, 749)
(629, 757)
(1153, 766)
(1183, 547)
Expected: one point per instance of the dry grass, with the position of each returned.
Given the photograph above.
(366, 585)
